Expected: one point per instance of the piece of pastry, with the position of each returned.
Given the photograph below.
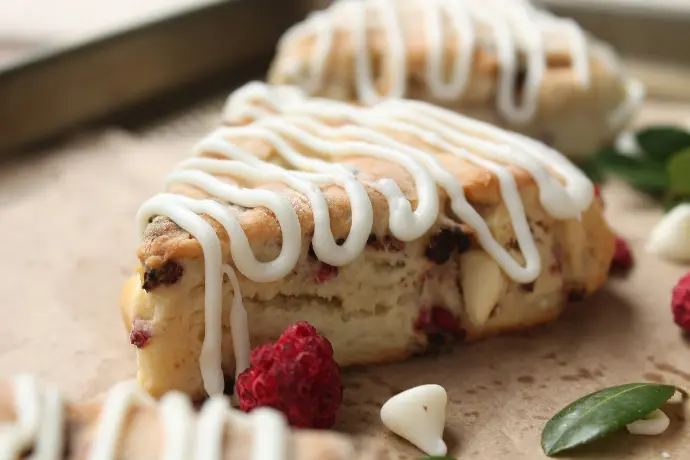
(131, 425)
(502, 61)
(389, 228)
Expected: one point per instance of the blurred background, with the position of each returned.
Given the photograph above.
(92, 58)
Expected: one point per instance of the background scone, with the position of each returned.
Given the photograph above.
(390, 228)
(501, 61)
(130, 425)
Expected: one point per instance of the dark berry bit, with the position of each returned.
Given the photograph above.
(325, 273)
(577, 295)
(529, 287)
(622, 256)
(139, 337)
(166, 274)
(297, 376)
(445, 243)
(680, 303)
(437, 320)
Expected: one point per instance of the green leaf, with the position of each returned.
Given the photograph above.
(601, 413)
(678, 169)
(641, 173)
(593, 170)
(660, 142)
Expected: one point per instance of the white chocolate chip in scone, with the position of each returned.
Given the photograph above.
(651, 425)
(481, 281)
(670, 238)
(419, 416)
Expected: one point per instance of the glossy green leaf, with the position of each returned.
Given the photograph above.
(640, 172)
(678, 169)
(661, 142)
(601, 413)
(593, 170)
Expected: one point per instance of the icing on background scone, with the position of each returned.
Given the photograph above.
(502, 61)
(130, 424)
(362, 221)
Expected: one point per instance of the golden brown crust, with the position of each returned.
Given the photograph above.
(163, 240)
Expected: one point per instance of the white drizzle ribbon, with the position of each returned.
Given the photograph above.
(40, 418)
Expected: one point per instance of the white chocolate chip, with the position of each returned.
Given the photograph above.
(419, 416)
(670, 238)
(651, 425)
(481, 281)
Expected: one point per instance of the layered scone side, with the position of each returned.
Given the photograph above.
(471, 204)
(503, 62)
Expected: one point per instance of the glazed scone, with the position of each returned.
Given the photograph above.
(502, 61)
(389, 228)
(130, 425)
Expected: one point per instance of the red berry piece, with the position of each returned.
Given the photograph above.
(680, 303)
(139, 337)
(326, 272)
(297, 375)
(622, 256)
(140, 333)
(436, 319)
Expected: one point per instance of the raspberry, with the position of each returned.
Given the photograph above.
(622, 256)
(680, 303)
(297, 375)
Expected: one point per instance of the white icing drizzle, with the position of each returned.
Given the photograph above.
(303, 126)
(512, 29)
(112, 418)
(40, 425)
(39, 413)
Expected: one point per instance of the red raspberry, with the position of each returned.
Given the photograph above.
(622, 256)
(297, 375)
(680, 303)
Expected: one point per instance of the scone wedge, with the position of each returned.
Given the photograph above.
(503, 61)
(390, 228)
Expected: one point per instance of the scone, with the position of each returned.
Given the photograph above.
(501, 61)
(389, 228)
(130, 425)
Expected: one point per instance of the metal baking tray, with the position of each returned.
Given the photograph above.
(138, 70)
